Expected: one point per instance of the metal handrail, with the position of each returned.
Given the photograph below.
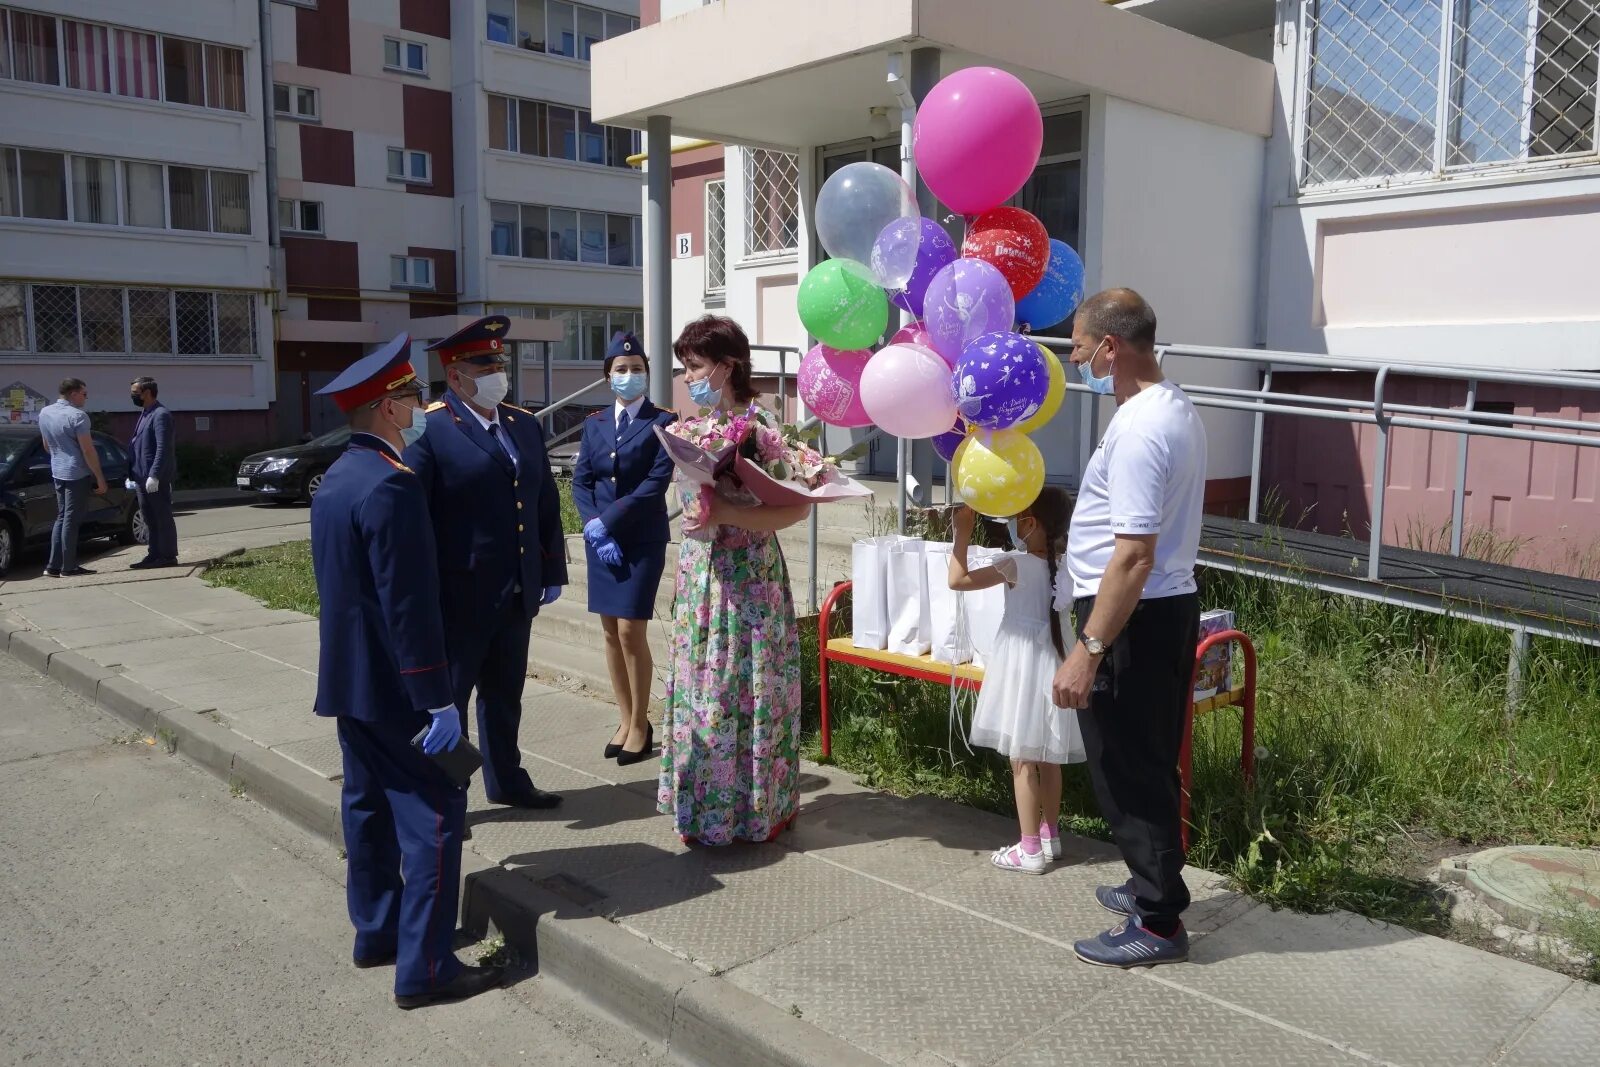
(1386, 416)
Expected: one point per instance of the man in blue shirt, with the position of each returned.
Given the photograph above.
(74, 466)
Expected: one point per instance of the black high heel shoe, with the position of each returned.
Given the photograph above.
(626, 758)
(614, 748)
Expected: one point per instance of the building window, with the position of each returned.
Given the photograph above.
(104, 319)
(88, 56)
(556, 131)
(716, 236)
(94, 190)
(43, 184)
(410, 165)
(771, 203)
(408, 57)
(195, 315)
(34, 56)
(144, 197)
(138, 64)
(295, 101)
(587, 332)
(55, 318)
(236, 324)
(188, 198)
(1513, 82)
(13, 317)
(533, 231)
(300, 216)
(150, 320)
(410, 272)
(230, 202)
(554, 27)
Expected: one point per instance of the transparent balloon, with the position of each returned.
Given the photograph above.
(853, 208)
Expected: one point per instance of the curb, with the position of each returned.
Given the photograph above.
(701, 1018)
(210, 498)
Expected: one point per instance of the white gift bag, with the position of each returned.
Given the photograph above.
(984, 608)
(948, 638)
(908, 598)
(869, 591)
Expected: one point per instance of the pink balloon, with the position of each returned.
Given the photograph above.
(906, 391)
(977, 139)
(830, 385)
(916, 334)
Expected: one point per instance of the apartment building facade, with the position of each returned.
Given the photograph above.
(436, 162)
(134, 211)
(1408, 181)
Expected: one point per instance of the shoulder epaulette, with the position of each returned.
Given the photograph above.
(514, 407)
(597, 414)
(396, 464)
(435, 406)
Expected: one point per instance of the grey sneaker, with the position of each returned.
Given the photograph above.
(1117, 899)
(1130, 945)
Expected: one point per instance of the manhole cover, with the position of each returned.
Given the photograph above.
(1537, 880)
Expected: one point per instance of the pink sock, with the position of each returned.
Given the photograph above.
(1046, 831)
(1030, 845)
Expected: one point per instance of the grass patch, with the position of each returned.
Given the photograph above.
(279, 576)
(570, 522)
(1385, 745)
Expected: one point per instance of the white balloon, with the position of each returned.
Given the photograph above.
(856, 204)
(905, 389)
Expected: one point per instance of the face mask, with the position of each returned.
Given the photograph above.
(1014, 527)
(491, 389)
(419, 424)
(701, 393)
(628, 387)
(1104, 386)
(138, 401)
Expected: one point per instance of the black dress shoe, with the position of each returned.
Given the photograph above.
(626, 758)
(143, 564)
(368, 962)
(538, 799)
(612, 748)
(469, 983)
(74, 572)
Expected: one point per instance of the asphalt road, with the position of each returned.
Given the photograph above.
(147, 916)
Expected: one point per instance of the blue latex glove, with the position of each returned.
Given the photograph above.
(445, 732)
(609, 552)
(552, 593)
(594, 531)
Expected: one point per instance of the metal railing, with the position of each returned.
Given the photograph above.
(1380, 412)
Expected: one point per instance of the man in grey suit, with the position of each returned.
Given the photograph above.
(154, 466)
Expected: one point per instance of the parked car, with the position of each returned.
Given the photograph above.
(293, 472)
(28, 495)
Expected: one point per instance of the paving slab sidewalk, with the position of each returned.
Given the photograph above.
(876, 932)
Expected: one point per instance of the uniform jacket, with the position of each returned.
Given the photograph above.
(383, 650)
(151, 451)
(496, 526)
(623, 481)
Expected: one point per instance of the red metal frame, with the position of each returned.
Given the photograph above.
(1243, 697)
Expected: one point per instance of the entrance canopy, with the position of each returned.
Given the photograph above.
(774, 72)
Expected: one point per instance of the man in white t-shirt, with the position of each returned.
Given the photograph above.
(1130, 563)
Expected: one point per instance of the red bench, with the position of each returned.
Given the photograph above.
(966, 676)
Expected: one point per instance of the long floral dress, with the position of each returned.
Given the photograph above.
(730, 755)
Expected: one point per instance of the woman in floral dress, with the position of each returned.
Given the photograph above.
(730, 758)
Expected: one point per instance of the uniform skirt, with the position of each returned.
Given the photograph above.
(627, 590)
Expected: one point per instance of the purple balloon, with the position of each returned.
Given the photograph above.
(947, 443)
(966, 299)
(1001, 379)
(920, 240)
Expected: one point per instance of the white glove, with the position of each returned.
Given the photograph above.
(131, 485)
(152, 484)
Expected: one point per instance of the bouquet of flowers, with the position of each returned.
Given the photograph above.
(749, 458)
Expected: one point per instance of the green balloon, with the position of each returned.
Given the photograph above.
(841, 306)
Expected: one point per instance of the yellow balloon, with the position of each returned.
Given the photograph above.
(999, 474)
(1052, 399)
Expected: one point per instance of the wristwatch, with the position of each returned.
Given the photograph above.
(1095, 646)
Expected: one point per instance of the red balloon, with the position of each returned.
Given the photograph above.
(1013, 241)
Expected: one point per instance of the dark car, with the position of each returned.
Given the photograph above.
(28, 495)
(293, 472)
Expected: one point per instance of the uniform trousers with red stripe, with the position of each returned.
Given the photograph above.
(403, 819)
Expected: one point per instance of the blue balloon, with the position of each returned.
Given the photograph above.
(923, 241)
(1058, 293)
(947, 443)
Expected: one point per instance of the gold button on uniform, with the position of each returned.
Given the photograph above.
(519, 505)
(519, 527)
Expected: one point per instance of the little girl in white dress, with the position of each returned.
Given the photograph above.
(1016, 715)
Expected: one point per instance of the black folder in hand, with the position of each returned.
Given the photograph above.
(459, 762)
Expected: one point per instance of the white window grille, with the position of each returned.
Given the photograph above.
(117, 321)
(13, 317)
(716, 236)
(771, 203)
(1409, 89)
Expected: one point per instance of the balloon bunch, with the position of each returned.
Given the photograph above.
(965, 373)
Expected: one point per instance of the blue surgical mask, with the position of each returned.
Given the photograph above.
(1106, 386)
(701, 393)
(628, 387)
(419, 424)
(1015, 531)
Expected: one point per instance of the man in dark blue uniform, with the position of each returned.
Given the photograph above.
(382, 673)
(497, 524)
